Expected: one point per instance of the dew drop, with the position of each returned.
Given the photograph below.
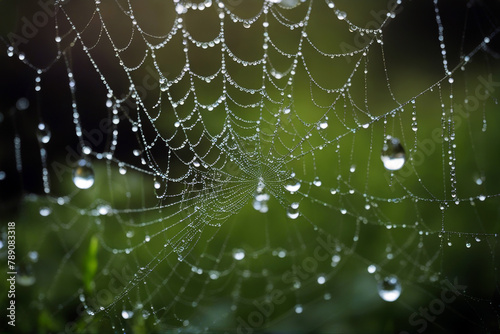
(292, 185)
(341, 15)
(261, 198)
(33, 256)
(214, 274)
(317, 182)
(126, 314)
(468, 244)
(180, 9)
(335, 259)
(479, 180)
(25, 276)
(293, 211)
(122, 170)
(393, 154)
(83, 174)
(43, 133)
(238, 254)
(371, 268)
(22, 104)
(45, 211)
(298, 309)
(103, 209)
(389, 289)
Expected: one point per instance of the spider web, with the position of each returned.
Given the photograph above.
(242, 165)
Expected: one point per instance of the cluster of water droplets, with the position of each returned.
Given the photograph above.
(261, 198)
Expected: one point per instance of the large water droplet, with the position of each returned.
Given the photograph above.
(83, 175)
(393, 154)
(389, 289)
(292, 185)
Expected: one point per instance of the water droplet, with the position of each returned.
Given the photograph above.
(25, 276)
(286, 3)
(372, 268)
(126, 314)
(323, 125)
(317, 182)
(482, 198)
(468, 244)
(321, 279)
(389, 289)
(341, 15)
(335, 260)
(45, 211)
(33, 256)
(393, 154)
(180, 9)
(22, 104)
(238, 254)
(145, 314)
(214, 274)
(293, 211)
(260, 202)
(103, 209)
(292, 185)
(276, 74)
(479, 180)
(43, 133)
(83, 175)
(147, 238)
(298, 309)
